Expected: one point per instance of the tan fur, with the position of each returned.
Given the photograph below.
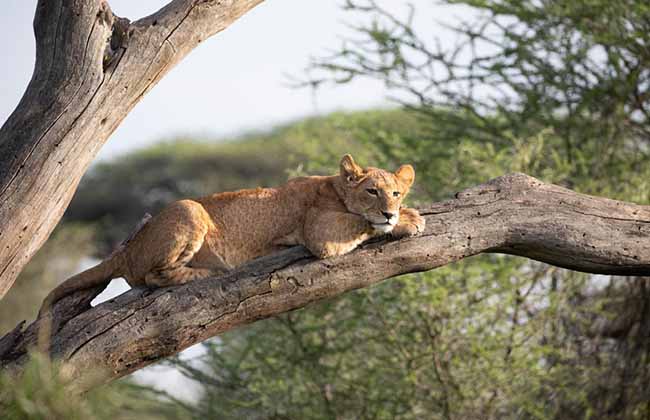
(191, 239)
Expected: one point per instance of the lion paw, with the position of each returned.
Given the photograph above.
(410, 223)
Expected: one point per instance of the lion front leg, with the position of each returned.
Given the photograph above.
(410, 223)
(332, 233)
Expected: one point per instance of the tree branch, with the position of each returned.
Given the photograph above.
(513, 214)
(92, 68)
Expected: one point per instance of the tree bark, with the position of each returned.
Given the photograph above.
(92, 68)
(514, 214)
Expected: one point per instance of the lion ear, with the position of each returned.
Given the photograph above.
(406, 175)
(350, 171)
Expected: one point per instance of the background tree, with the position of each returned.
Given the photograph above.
(579, 69)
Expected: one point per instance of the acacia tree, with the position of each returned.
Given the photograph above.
(513, 214)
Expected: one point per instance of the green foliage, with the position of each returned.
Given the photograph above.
(579, 68)
(41, 394)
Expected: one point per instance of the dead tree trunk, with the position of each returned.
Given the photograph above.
(92, 67)
(514, 214)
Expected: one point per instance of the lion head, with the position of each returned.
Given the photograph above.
(375, 194)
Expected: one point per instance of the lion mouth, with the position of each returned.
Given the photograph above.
(383, 227)
(381, 221)
(390, 222)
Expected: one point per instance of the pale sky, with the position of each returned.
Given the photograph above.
(236, 81)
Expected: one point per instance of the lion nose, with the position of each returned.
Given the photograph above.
(388, 215)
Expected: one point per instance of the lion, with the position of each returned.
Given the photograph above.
(208, 236)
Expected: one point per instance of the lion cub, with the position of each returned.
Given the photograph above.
(191, 239)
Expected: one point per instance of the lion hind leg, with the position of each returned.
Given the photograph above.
(178, 271)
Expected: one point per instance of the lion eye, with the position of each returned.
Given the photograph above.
(396, 193)
(372, 191)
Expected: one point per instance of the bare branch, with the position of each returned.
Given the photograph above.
(513, 214)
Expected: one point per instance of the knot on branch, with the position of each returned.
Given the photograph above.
(120, 32)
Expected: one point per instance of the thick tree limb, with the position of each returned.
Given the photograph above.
(92, 67)
(513, 214)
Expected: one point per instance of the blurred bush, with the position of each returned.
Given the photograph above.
(40, 394)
